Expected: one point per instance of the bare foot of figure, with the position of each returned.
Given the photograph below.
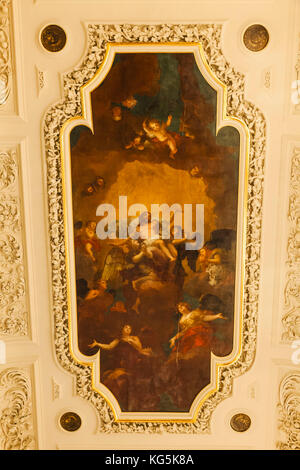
(135, 307)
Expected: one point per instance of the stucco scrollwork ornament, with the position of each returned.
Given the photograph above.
(14, 321)
(16, 418)
(5, 60)
(8, 168)
(56, 389)
(9, 249)
(209, 35)
(13, 308)
(291, 313)
(289, 412)
(9, 214)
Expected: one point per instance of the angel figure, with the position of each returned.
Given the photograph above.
(157, 131)
(194, 329)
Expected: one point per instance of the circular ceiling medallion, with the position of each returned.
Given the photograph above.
(53, 38)
(240, 422)
(70, 421)
(256, 37)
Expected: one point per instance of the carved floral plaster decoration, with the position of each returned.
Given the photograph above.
(70, 105)
(289, 412)
(56, 389)
(291, 313)
(16, 420)
(5, 56)
(41, 80)
(13, 305)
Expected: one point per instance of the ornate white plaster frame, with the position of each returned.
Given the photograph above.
(71, 106)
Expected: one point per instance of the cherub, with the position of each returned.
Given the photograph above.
(99, 183)
(158, 132)
(136, 143)
(92, 188)
(89, 190)
(129, 102)
(90, 242)
(116, 113)
(195, 171)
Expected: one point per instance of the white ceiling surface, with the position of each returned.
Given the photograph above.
(256, 392)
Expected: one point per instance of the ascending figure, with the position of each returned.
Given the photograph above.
(151, 245)
(158, 132)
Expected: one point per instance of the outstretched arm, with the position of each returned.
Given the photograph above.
(186, 267)
(215, 260)
(177, 241)
(137, 258)
(169, 120)
(111, 345)
(214, 317)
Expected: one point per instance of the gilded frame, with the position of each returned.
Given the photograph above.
(72, 108)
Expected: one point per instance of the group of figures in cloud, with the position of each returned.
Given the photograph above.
(155, 314)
